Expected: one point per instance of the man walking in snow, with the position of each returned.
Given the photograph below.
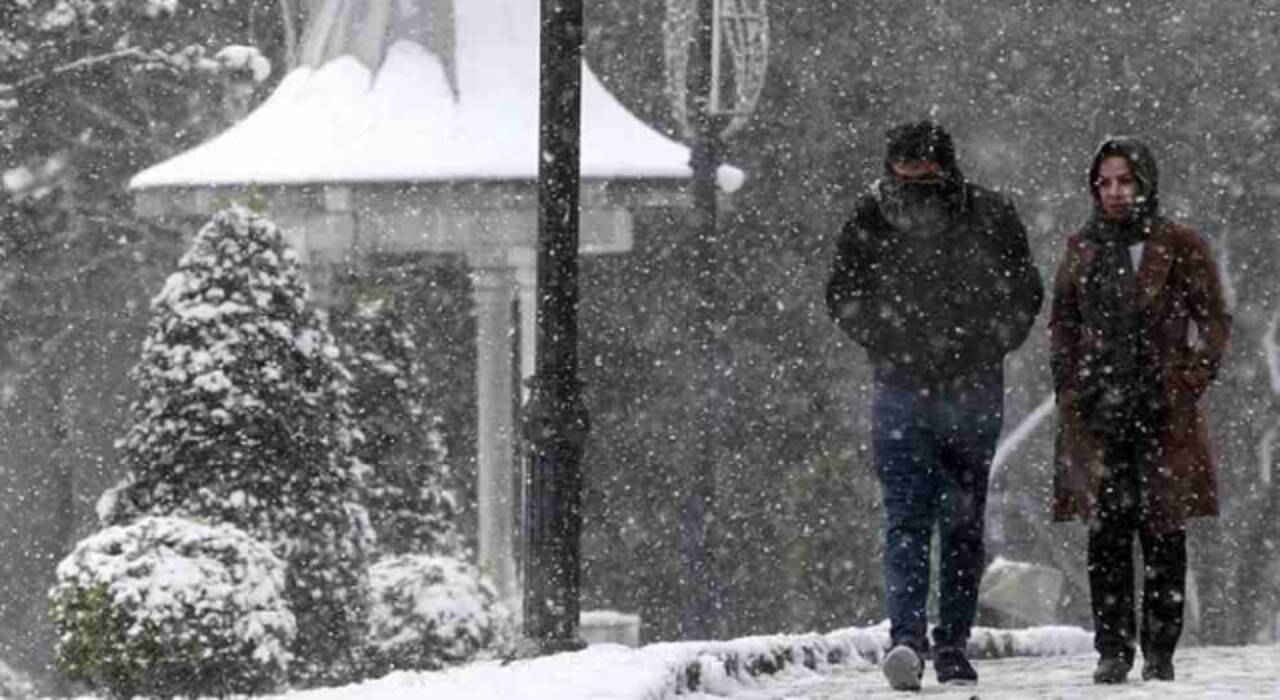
(1138, 327)
(934, 278)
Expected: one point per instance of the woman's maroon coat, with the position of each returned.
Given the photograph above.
(1179, 287)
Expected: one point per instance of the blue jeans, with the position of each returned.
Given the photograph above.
(933, 450)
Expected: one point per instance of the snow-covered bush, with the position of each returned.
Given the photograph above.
(14, 685)
(243, 418)
(247, 60)
(167, 606)
(428, 612)
(407, 484)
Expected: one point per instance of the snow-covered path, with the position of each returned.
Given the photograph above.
(1203, 673)
(1051, 665)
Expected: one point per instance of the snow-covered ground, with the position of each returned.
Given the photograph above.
(1205, 673)
(680, 669)
(1058, 664)
(1045, 662)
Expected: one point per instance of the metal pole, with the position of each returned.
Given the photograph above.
(555, 418)
(702, 600)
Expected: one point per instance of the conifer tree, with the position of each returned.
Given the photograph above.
(243, 418)
(408, 491)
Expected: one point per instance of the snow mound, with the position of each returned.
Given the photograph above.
(428, 612)
(166, 605)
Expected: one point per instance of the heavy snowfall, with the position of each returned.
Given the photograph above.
(269, 324)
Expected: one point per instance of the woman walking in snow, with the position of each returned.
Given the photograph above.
(1138, 329)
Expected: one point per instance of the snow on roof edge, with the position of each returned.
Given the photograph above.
(340, 124)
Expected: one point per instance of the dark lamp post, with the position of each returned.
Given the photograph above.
(716, 55)
(555, 419)
(702, 601)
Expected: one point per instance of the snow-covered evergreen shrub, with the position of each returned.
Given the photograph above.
(243, 418)
(428, 612)
(411, 505)
(167, 606)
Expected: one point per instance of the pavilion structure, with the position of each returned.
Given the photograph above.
(411, 126)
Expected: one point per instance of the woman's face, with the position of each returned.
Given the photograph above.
(1116, 186)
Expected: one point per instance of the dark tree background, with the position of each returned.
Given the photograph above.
(90, 93)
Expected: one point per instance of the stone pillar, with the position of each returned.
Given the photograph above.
(526, 266)
(324, 240)
(493, 289)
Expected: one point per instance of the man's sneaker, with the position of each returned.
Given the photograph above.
(903, 668)
(953, 667)
(1111, 670)
(1157, 667)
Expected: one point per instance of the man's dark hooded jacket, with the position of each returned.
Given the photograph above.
(931, 308)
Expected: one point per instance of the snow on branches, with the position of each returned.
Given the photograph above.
(168, 606)
(43, 34)
(61, 14)
(129, 81)
(243, 418)
(430, 612)
(408, 494)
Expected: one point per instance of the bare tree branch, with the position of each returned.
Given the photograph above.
(80, 64)
(12, 380)
(290, 33)
(76, 65)
(1019, 434)
(1266, 453)
(105, 114)
(1229, 290)
(1271, 351)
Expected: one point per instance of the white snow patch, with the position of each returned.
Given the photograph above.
(247, 59)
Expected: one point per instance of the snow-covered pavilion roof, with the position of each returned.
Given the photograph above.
(387, 93)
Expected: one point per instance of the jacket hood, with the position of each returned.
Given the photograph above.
(923, 140)
(1144, 168)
